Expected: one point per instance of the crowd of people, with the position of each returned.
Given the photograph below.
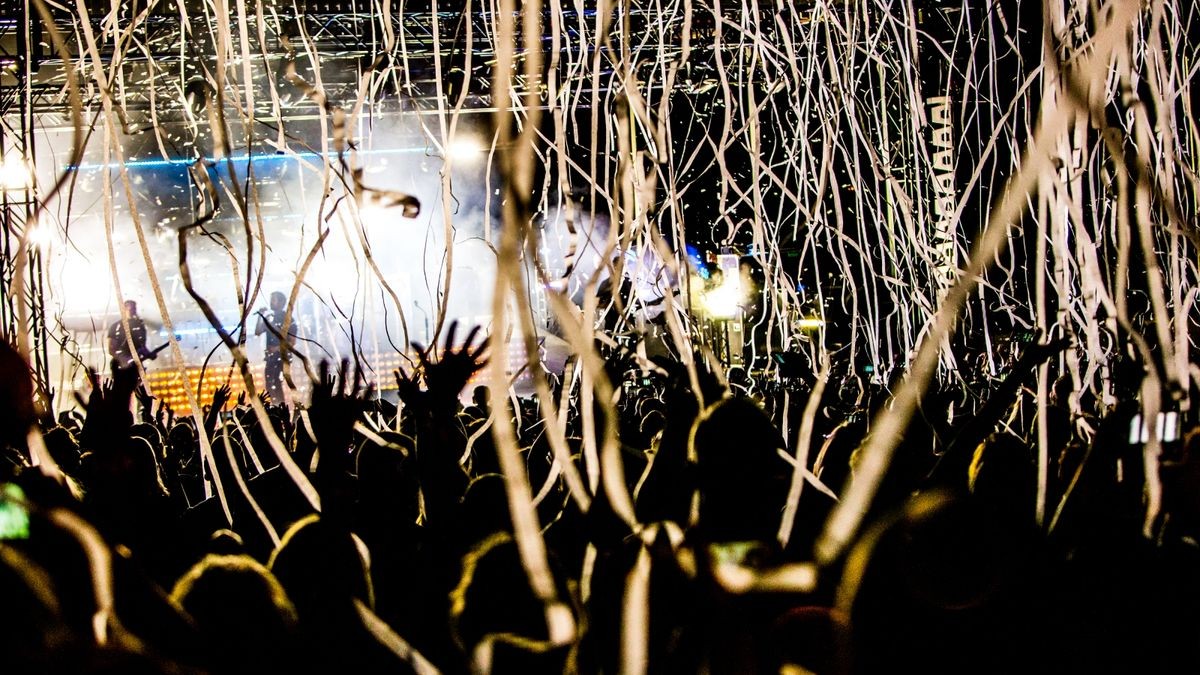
(133, 540)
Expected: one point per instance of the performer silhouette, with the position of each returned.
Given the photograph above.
(124, 351)
(270, 322)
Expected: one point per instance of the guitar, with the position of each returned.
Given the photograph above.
(125, 361)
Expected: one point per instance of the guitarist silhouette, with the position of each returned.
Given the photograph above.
(126, 350)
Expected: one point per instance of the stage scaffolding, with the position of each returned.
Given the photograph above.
(159, 65)
(22, 306)
(856, 177)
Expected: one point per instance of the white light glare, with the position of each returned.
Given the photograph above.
(14, 173)
(724, 301)
(39, 237)
(464, 149)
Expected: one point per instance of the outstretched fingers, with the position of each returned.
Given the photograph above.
(406, 386)
(343, 370)
(422, 355)
(479, 353)
(451, 331)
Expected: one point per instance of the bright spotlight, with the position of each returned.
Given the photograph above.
(724, 301)
(15, 173)
(810, 323)
(464, 149)
(39, 237)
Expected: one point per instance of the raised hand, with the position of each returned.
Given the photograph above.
(164, 417)
(334, 409)
(145, 403)
(443, 377)
(446, 377)
(108, 417)
(220, 397)
(408, 386)
(440, 441)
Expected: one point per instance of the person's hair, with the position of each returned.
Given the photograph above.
(741, 478)
(241, 609)
(63, 448)
(323, 568)
(144, 466)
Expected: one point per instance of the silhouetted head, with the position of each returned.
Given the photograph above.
(387, 479)
(738, 376)
(323, 568)
(485, 508)
(480, 395)
(151, 435)
(63, 448)
(131, 309)
(182, 440)
(226, 542)
(126, 473)
(229, 458)
(241, 610)
(741, 478)
(652, 423)
(1003, 475)
(144, 468)
(278, 301)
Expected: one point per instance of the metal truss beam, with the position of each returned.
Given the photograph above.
(22, 312)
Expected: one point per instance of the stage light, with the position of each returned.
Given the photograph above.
(724, 301)
(14, 173)
(810, 323)
(39, 237)
(464, 149)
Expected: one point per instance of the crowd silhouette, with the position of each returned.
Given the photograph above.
(137, 541)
